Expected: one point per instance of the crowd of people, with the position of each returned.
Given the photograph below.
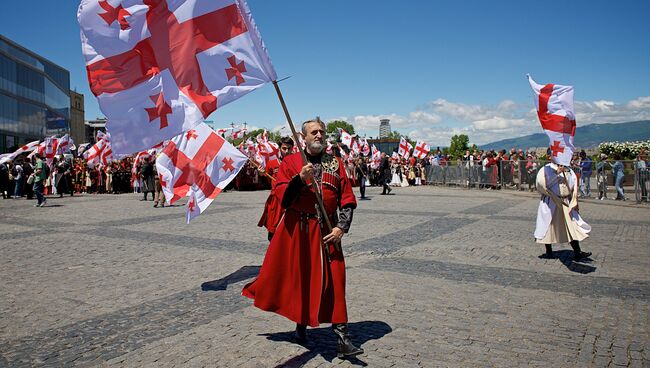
(486, 169)
(66, 175)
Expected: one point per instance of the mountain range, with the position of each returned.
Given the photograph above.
(587, 136)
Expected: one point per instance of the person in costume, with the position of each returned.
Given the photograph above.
(303, 274)
(272, 210)
(558, 219)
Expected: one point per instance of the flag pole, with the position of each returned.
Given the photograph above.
(319, 198)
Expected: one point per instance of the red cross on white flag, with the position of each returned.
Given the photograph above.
(199, 166)
(421, 149)
(554, 104)
(100, 153)
(160, 67)
(404, 148)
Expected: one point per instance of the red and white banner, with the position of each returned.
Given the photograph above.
(100, 152)
(365, 147)
(29, 147)
(329, 149)
(160, 67)
(404, 148)
(394, 156)
(421, 149)
(554, 104)
(376, 158)
(222, 131)
(346, 138)
(51, 146)
(65, 144)
(355, 149)
(238, 133)
(198, 163)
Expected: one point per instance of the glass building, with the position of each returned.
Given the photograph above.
(34, 96)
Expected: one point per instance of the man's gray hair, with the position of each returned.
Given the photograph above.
(315, 120)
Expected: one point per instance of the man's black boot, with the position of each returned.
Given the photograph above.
(344, 346)
(577, 253)
(549, 252)
(301, 334)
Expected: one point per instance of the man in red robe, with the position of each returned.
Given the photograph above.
(303, 274)
(272, 210)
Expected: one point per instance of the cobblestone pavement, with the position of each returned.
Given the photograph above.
(436, 277)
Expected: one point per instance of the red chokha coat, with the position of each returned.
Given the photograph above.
(298, 279)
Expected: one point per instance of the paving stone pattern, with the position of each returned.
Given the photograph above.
(436, 277)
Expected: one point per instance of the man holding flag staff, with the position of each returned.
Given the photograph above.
(303, 274)
(558, 219)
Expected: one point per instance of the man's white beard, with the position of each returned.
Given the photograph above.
(315, 147)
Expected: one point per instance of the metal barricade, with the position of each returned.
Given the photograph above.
(641, 181)
(451, 174)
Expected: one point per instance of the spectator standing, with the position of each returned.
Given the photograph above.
(41, 172)
(619, 176)
(361, 172)
(642, 175)
(19, 178)
(148, 184)
(586, 168)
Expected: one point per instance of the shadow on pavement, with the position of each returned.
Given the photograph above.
(322, 341)
(566, 257)
(241, 274)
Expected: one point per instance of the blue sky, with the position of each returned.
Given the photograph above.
(435, 68)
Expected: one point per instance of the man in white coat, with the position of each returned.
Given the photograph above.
(558, 220)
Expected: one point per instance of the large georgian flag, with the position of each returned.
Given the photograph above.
(160, 67)
(556, 114)
(198, 164)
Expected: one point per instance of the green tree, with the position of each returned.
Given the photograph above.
(459, 144)
(332, 127)
(394, 134)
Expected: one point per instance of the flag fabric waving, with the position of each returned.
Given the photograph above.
(198, 163)
(404, 148)
(376, 158)
(65, 144)
(365, 147)
(346, 138)
(421, 149)
(100, 152)
(554, 104)
(29, 147)
(160, 67)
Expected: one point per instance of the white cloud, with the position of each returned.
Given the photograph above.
(488, 123)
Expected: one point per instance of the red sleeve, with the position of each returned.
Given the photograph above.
(286, 172)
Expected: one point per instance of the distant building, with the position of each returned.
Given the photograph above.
(91, 127)
(77, 117)
(384, 128)
(387, 146)
(34, 96)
